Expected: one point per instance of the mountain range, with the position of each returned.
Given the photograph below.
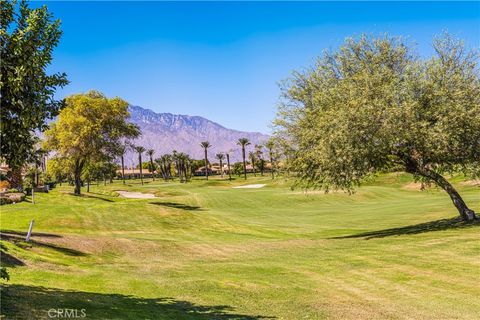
(165, 132)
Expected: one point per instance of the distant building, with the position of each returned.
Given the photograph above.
(134, 173)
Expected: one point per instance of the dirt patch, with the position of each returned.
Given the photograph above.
(250, 186)
(135, 195)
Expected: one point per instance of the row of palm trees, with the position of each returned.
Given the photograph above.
(253, 155)
(183, 162)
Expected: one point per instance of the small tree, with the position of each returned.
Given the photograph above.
(89, 129)
(243, 142)
(59, 169)
(374, 105)
(205, 145)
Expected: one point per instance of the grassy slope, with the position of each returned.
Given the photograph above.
(204, 250)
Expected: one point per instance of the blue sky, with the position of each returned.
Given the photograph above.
(223, 61)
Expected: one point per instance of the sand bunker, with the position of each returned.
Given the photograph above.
(250, 186)
(135, 195)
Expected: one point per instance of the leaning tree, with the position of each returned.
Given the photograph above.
(374, 105)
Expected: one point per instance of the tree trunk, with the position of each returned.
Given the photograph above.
(36, 176)
(466, 213)
(271, 166)
(228, 165)
(123, 169)
(77, 177)
(88, 185)
(221, 168)
(140, 162)
(14, 177)
(206, 164)
(153, 168)
(244, 163)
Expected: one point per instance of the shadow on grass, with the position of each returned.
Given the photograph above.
(177, 205)
(88, 196)
(437, 225)
(29, 302)
(19, 239)
(7, 259)
(24, 234)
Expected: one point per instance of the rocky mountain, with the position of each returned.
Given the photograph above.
(165, 132)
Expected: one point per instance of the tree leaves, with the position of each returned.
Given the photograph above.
(374, 104)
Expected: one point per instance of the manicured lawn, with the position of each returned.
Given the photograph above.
(205, 250)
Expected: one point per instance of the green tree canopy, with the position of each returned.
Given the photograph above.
(89, 129)
(27, 39)
(374, 104)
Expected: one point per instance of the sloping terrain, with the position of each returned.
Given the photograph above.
(205, 250)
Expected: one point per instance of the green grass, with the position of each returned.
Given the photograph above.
(204, 250)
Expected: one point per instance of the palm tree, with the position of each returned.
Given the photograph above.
(270, 145)
(251, 155)
(140, 150)
(182, 163)
(228, 165)
(150, 153)
(220, 157)
(164, 165)
(243, 142)
(261, 161)
(205, 145)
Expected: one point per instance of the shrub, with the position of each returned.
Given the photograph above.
(11, 198)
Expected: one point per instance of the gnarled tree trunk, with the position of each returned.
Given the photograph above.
(465, 212)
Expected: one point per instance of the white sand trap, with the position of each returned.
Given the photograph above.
(250, 186)
(135, 195)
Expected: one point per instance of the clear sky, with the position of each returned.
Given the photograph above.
(223, 61)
